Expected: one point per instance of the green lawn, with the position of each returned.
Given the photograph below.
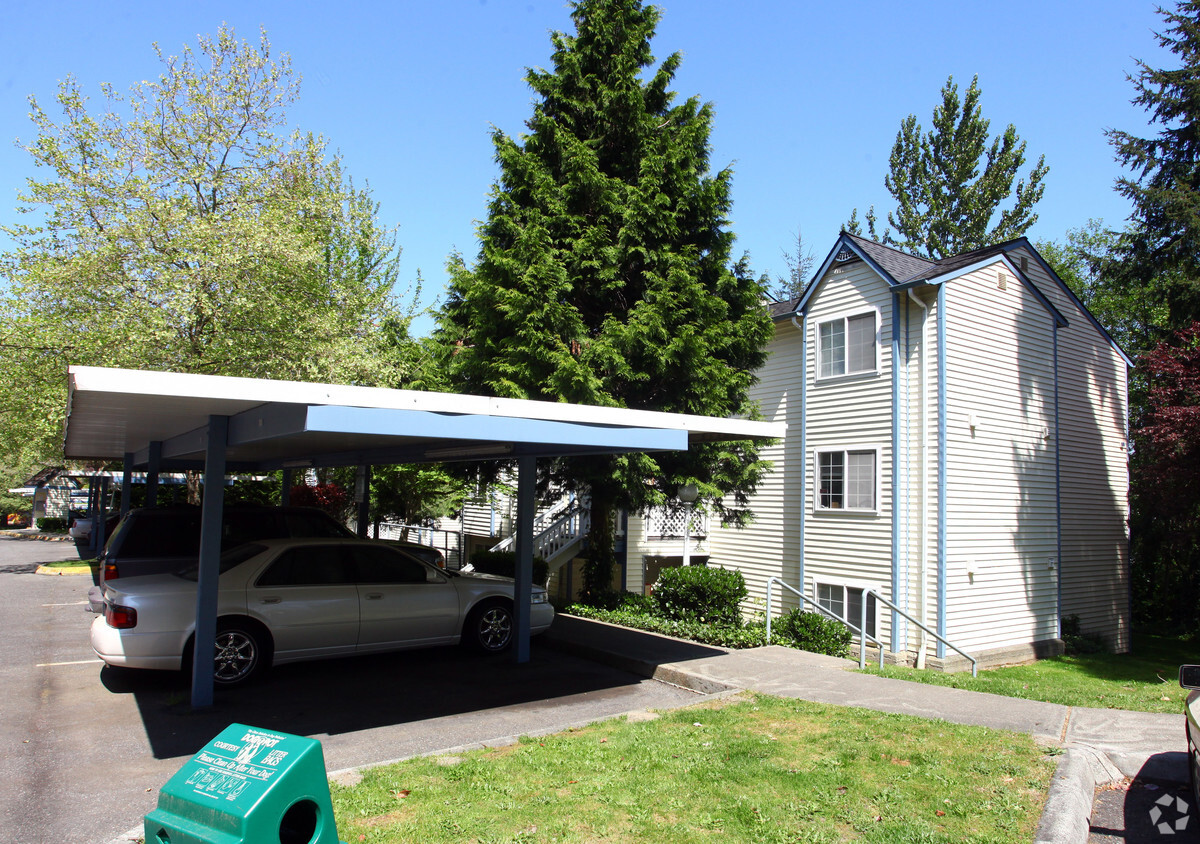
(69, 566)
(1145, 680)
(757, 768)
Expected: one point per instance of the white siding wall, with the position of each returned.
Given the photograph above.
(1094, 466)
(852, 412)
(1001, 534)
(770, 546)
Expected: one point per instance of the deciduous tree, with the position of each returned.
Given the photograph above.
(604, 274)
(184, 228)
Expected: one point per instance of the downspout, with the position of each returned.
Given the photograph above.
(923, 483)
(803, 440)
(1058, 609)
(898, 594)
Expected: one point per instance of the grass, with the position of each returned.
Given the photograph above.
(1144, 680)
(756, 768)
(69, 566)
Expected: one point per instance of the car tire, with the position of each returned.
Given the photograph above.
(490, 627)
(1193, 770)
(240, 652)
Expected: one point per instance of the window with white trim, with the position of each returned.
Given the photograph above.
(846, 346)
(846, 480)
(846, 603)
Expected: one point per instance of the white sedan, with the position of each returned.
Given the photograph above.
(286, 600)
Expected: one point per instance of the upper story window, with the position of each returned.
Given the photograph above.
(846, 480)
(846, 346)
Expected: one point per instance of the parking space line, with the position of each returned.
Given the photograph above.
(72, 604)
(75, 662)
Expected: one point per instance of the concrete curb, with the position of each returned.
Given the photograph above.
(35, 537)
(1067, 815)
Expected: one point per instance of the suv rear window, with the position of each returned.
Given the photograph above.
(169, 533)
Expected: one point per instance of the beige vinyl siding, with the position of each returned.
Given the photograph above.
(1001, 518)
(851, 413)
(1093, 409)
(770, 545)
(916, 503)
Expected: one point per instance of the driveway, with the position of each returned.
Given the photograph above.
(85, 748)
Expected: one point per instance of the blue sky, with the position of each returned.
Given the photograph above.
(807, 96)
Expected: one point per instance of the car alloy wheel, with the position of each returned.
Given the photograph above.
(236, 656)
(493, 628)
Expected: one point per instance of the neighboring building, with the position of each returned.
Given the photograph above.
(956, 440)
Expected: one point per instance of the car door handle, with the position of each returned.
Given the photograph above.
(374, 596)
(269, 601)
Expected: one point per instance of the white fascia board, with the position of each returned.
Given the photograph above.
(257, 391)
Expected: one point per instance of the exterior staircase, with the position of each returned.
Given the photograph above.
(557, 533)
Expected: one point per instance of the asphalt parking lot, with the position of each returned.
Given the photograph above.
(85, 748)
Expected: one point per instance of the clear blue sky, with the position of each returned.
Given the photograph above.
(808, 96)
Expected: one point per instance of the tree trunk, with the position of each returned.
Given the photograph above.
(598, 572)
(194, 481)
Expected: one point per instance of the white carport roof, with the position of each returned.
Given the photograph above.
(273, 424)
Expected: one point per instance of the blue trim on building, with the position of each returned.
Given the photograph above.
(941, 446)
(1024, 242)
(1057, 496)
(896, 467)
(803, 441)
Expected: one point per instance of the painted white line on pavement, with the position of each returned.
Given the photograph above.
(76, 662)
(72, 604)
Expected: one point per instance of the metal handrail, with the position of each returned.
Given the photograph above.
(862, 635)
(942, 639)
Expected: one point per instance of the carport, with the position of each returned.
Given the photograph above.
(160, 421)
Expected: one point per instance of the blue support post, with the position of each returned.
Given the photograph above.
(100, 521)
(285, 495)
(152, 464)
(127, 483)
(362, 496)
(526, 502)
(210, 562)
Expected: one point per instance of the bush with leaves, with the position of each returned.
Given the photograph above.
(48, 524)
(700, 593)
(812, 632)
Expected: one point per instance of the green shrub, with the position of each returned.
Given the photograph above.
(721, 635)
(52, 525)
(1076, 642)
(812, 632)
(504, 563)
(700, 593)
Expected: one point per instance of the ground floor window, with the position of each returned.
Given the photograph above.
(846, 602)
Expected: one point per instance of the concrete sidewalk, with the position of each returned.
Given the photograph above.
(1099, 745)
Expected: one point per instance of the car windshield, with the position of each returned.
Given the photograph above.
(232, 557)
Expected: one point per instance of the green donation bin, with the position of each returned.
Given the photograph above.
(247, 786)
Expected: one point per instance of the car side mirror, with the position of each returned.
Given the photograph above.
(1189, 676)
(432, 576)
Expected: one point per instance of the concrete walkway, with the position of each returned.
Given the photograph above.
(1099, 745)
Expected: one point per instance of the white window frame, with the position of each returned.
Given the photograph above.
(845, 450)
(845, 586)
(844, 319)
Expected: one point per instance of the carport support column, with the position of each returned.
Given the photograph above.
(526, 502)
(153, 461)
(210, 561)
(126, 483)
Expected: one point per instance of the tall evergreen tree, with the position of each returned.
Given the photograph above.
(1161, 251)
(604, 274)
(946, 203)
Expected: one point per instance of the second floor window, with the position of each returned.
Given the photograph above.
(846, 346)
(846, 480)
